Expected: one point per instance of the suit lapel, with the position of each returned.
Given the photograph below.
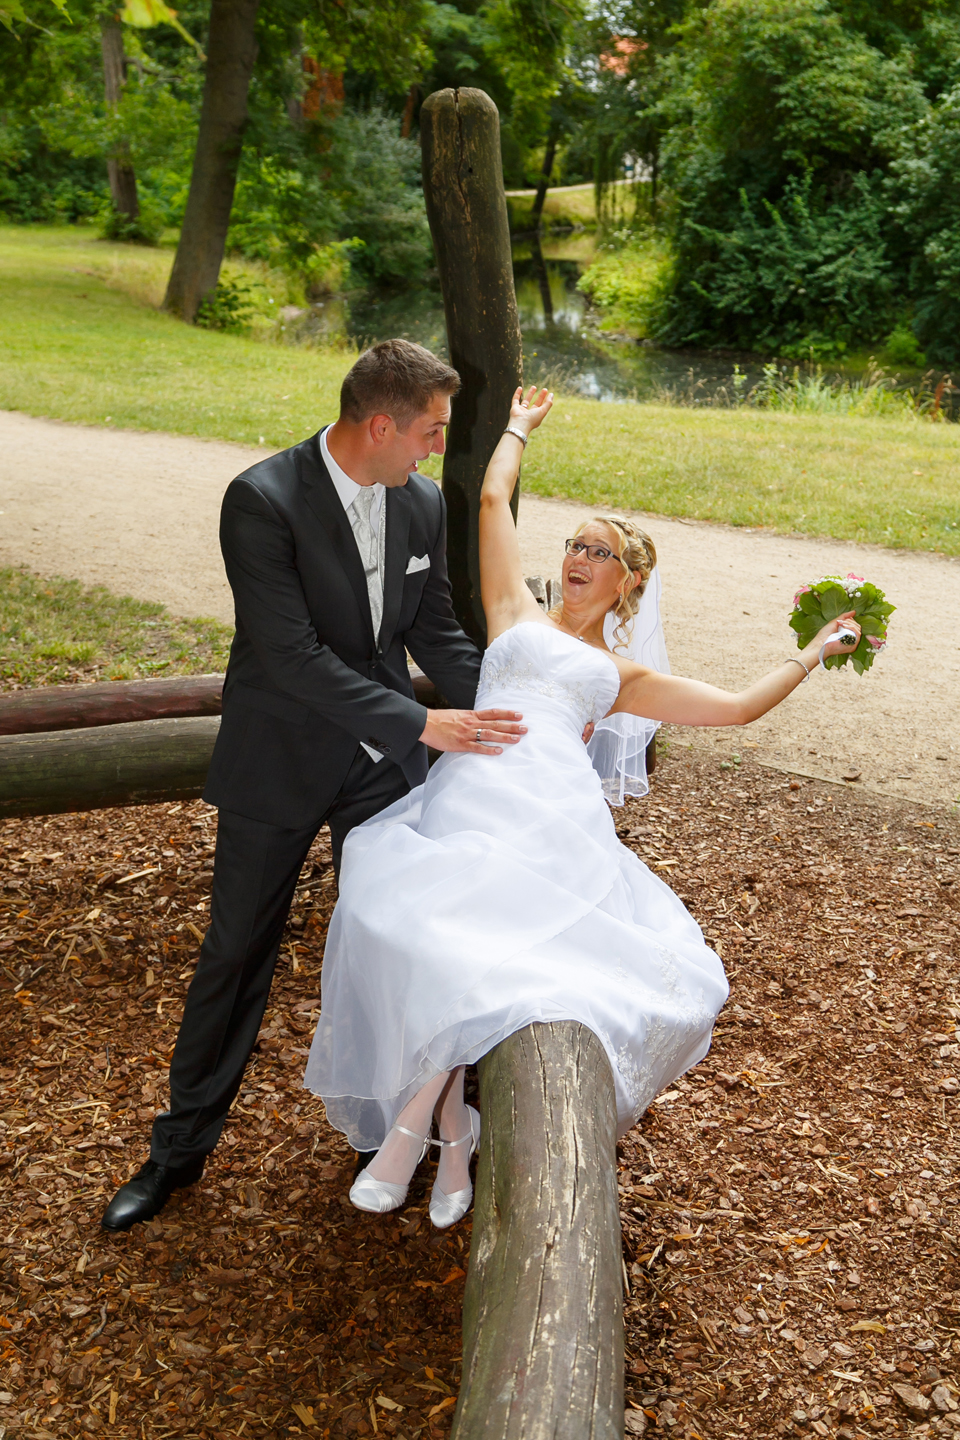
(396, 514)
(325, 503)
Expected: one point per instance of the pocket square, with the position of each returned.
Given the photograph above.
(416, 563)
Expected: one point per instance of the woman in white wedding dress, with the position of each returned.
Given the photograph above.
(497, 895)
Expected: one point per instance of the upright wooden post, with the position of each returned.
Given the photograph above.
(542, 1312)
(467, 210)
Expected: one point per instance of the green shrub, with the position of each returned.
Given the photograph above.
(808, 277)
(901, 348)
(146, 229)
(627, 281)
(229, 308)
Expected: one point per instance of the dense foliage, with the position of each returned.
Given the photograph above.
(798, 158)
(807, 149)
(331, 165)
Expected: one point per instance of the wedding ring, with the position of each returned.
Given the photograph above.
(478, 737)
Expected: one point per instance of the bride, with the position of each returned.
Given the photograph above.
(496, 895)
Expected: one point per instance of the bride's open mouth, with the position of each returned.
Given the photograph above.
(578, 577)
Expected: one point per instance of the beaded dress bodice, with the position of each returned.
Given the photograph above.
(532, 660)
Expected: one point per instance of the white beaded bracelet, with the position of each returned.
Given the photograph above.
(794, 660)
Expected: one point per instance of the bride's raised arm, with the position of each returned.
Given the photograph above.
(503, 590)
(692, 702)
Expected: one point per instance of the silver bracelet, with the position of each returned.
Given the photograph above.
(511, 430)
(793, 660)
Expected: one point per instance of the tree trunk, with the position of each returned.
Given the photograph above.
(80, 707)
(409, 110)
(543, 1308)
(120, 172)
(136, 764)
(467, 210)
(231, 54)
(550, 154)
(76, 707)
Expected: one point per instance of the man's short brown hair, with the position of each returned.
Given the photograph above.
(395, 378)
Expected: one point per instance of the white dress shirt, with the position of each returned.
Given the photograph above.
(348, 490)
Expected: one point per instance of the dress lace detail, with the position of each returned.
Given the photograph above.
(504, 670)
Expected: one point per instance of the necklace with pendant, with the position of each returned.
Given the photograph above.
(570, 630)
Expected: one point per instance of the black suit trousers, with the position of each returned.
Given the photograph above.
(256, 867)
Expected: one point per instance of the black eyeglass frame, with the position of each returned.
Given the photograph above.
(577, 547)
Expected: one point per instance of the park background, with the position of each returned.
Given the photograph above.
(736, 251)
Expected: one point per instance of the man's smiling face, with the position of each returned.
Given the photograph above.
(403, 451)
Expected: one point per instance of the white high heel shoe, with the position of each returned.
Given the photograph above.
(379, 1196)
(446, 1210)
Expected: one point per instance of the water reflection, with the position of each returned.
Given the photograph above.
(562, 341)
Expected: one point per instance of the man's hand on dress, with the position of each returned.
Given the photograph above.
(481, 732)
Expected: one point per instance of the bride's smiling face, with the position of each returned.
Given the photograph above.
(593, 586)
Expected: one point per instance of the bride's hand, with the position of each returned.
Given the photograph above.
(528, 411)
(825, 636)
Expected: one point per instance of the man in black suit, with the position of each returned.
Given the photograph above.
(335, 551)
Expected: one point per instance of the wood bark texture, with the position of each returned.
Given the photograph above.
(120, 172)
(543, 1308)
(467, 210)
(74, 707)
(135, 764)
(231, 54)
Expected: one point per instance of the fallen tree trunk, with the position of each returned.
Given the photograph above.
(73, 707)
(136, 764)
(543, 1308)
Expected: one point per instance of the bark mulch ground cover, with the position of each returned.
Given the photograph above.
(789, 1206)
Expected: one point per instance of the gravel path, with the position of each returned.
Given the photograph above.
(138, 512)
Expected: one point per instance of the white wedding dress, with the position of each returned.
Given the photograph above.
(497, 895)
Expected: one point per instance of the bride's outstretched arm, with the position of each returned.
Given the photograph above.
(691, 702)
(504, 593)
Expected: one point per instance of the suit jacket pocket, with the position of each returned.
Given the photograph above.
(281, 707)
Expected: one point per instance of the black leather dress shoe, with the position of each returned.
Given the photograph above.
(147, 1192)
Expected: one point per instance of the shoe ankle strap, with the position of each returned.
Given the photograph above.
(452, 1144)
(413, 1134)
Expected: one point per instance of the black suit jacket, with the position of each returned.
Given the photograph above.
(307, 678)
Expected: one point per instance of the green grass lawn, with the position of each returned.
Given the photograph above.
(79, 341)
(55, 631)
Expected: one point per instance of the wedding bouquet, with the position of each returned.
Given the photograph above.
(833, 595)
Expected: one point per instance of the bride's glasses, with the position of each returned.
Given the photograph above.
(599, 553)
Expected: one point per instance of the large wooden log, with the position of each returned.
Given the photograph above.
(134, 764)
(467, 210)
(543, 1309)
(72, 707)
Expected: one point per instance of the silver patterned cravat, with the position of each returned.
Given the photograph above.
(368, 543)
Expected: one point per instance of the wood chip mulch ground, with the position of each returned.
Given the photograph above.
(789, 1207)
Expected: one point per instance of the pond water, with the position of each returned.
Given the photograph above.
(562, 342)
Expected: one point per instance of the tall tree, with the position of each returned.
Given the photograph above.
(120, 171)
(232, 54)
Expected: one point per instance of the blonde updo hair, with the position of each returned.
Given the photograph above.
(638, 555)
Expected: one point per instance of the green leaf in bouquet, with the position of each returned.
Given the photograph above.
(834, 601)
(809, 603)
(872, 625)
(804, 637)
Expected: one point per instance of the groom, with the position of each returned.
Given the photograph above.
(334, 550)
